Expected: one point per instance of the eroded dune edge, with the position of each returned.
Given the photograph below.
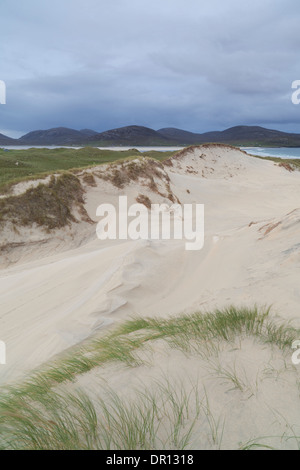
(171, 348)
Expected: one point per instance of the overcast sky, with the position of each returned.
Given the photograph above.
(198, 65)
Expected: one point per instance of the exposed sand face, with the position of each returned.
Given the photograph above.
(54, 298)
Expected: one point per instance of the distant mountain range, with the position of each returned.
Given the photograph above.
(4, 140)
(144, 136)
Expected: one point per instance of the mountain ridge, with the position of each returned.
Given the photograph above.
(135, 135)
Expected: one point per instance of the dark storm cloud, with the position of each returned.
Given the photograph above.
(199, 65)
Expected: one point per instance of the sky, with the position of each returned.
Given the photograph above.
(198, 65)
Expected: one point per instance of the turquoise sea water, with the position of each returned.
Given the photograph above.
(280, 152)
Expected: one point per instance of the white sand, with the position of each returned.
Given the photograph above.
(263, 409)
(65, 289)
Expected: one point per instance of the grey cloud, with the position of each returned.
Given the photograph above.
(199, 65)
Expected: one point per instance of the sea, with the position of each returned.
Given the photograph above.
(280, 152)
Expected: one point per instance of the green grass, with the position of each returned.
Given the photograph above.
(35, 416)
(20, 165)
(185, 332)
(152, 419)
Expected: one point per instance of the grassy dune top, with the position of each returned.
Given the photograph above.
(20, 165)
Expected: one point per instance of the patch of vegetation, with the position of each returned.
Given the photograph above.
(89, 179)
(142, 199)
(122, 173)
(48, 205)
(181, 332)
(21, 165)
(289, 164)
(147, 171)
(156, 419)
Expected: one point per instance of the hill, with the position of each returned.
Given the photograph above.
(4, 140)
(238, 135)
(131, 135)
(56, 136)
(144, 136)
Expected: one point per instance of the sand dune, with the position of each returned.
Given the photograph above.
(57, 293)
